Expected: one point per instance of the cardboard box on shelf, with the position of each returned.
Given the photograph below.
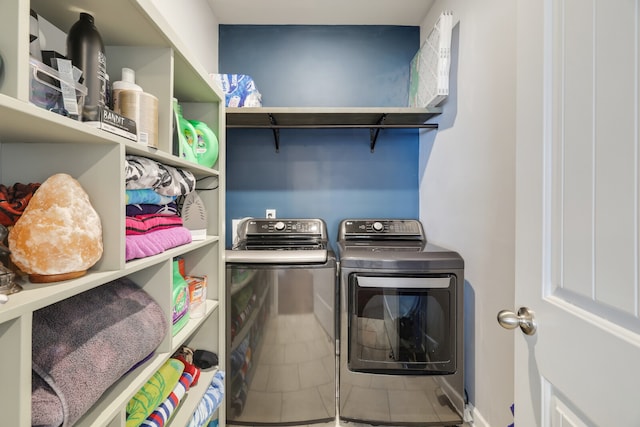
(197, 294)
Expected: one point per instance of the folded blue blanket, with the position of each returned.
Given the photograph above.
(210, 401)
(147, 196)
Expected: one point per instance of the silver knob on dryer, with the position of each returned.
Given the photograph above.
(377, 226)
(279, 226)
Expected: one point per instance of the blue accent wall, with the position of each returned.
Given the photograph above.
(330, 173)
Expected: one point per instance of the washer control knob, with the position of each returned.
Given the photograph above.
(377, 226)
(279, 226)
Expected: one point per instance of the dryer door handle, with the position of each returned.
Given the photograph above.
(404, 282)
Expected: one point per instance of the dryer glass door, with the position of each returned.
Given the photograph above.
(401, 324)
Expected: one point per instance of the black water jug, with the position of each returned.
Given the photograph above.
(86, 51)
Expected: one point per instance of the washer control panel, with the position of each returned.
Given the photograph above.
(311, 227)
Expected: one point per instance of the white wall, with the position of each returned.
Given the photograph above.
(467, 190)
(194, 22)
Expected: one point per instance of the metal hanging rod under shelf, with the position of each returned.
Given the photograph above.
(422, 126)
(373, 127)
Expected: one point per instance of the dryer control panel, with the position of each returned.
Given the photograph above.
(405, 229)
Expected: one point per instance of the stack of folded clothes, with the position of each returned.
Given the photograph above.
(156, 402)
(153, 224)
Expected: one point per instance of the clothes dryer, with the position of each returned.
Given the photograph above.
(400, 325)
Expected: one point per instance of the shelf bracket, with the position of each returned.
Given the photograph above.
(374, 132)
(276, 132)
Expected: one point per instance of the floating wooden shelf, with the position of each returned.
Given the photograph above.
(374, 119)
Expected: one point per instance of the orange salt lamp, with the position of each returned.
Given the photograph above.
(59, 235)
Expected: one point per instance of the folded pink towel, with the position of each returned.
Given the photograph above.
(141, 224)
(144, 245)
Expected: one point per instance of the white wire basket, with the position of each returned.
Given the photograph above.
(429, 77)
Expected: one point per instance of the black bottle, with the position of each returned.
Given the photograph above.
(86, 51)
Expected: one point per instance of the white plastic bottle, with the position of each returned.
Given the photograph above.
(128, 82)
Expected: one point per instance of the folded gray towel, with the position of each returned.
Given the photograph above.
(84, 344)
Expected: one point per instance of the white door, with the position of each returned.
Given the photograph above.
(577, 211)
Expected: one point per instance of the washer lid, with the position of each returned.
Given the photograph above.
(280, 241)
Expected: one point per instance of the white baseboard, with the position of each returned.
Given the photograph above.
(478, 419)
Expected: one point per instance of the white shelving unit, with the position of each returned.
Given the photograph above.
(35, 144)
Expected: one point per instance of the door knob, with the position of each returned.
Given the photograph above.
(525, 319)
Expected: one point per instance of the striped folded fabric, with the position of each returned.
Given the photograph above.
(210, 401)
(163, 413)
(154, 392)
(142, 224)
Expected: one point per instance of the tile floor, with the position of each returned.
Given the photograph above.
(295, 370)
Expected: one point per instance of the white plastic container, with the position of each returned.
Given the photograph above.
(128, 82)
